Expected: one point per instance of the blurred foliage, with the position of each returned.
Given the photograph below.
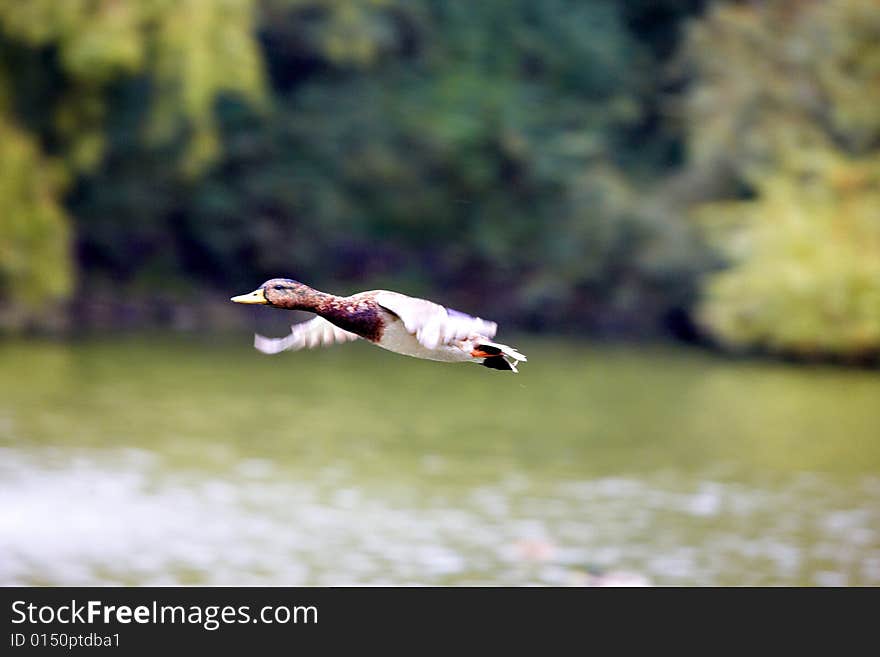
(535, 161)
(34, 259)
(485, 153)
(794, 122)
(186, 50)
(59, 63)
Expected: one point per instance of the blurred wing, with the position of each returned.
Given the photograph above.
(317, 332)
(431, 323)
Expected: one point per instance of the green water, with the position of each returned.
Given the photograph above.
(196, 460)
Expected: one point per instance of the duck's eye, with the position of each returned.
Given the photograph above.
(279, 287)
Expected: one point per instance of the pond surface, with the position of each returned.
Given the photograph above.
(171, 460)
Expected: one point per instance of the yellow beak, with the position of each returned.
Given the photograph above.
(255, 297)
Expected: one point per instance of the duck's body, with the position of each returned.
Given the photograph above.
(393, 321)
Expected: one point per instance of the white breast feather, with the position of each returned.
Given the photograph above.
(432, 324)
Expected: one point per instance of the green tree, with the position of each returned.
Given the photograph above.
(504, 155)
(59, 66)
(783, 103)
(485, 149)
(35, 262)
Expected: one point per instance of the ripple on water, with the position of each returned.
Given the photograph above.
(121, 516)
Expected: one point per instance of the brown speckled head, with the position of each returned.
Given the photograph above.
(358, 314)
(290, 294)
(284, 293)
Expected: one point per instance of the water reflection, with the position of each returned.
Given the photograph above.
(103, 516)
(174, 460)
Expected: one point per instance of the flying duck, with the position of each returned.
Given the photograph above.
(393, 321)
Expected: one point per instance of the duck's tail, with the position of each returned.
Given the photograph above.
(498, 356)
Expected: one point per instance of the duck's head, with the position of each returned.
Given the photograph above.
(281, 293)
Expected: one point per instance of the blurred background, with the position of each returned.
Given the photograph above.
(672, 207)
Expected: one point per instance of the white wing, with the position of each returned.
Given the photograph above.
(431, 323)
(317, 332)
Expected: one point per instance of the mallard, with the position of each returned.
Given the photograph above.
(393, 321)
